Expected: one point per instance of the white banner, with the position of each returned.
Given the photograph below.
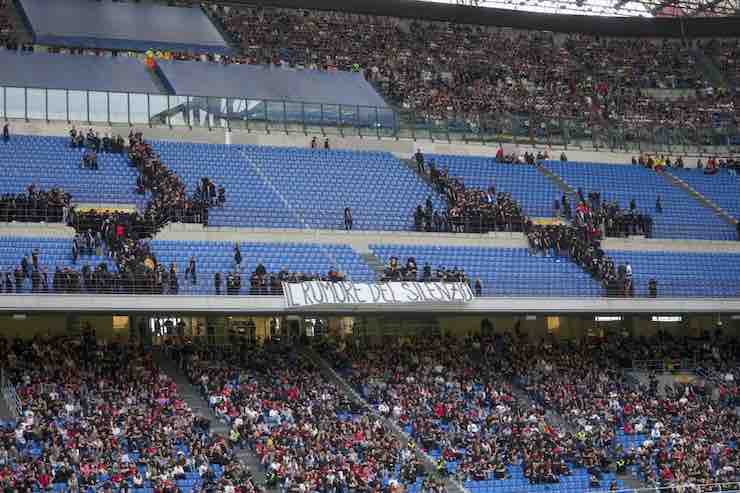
(350, 293)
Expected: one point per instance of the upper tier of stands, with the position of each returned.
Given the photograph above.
(446, 70)
(122, 26)
(502, 271)
(723, 53)
(533, 191)
(545, 86)
(722, 188)
(682, 216)
(7, 35)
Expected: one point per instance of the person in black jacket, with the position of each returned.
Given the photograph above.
(26, 266)
(191, 271)
(237, 255)
(174, 285)
(217, 282)
(348, 219)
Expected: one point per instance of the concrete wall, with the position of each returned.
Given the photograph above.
(402, 148)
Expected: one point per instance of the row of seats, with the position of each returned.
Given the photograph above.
(502, 271)
(622, 184)
(531, 189)
(683, 275)
(309, 188)
(723, 188)
(211, 257)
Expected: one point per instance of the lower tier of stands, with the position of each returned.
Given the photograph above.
(684, 274)
(500, 271)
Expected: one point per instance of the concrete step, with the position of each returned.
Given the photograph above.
(452, 485)
(5, 412)
(193, 398)
(375, 264)
(564, 187)
(706, 202)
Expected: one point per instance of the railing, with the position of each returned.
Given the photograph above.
(103, 278)
(130, 108)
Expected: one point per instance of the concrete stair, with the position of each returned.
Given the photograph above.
(5, 412)
(559, 182)
(674, 180)
(199, 406)
(375, 264)
(452, 486)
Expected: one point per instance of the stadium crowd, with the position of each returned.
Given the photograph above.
(101, 416)
(169, 200)
(308, 435)
(462, 400)
(435, 69)
(469, 209)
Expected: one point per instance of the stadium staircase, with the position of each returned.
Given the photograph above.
(452, 486)
(375, 264)
(5, 412)
(708, 68)
(705, 201)
(199, 406)
(559, 182)
(219, 26)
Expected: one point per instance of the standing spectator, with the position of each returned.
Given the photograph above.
(348, 219)
(25, 266)
(314, 142)
(174, 285)
(419, 157)
(653, 288)
(217, 282)
(6, 133)
(563, 157)
(658, 205)
(192, 270)
(326, 144)
(478, 287)
(237, 255)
